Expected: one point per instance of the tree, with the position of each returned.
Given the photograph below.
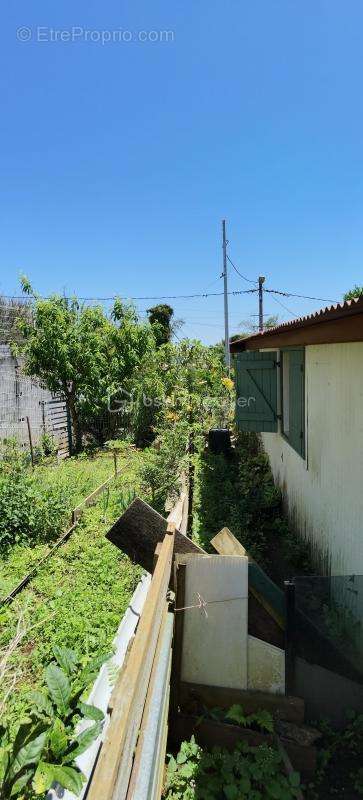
(82, 354)
(160, 318)
(357, 291)
(251, 327)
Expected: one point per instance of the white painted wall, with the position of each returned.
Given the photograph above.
(324, 492)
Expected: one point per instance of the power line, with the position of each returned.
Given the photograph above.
(248, 280)
(153, 297)
(302, 296)
(293, 314)
(27, 304)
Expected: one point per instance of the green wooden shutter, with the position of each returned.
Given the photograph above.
(256, 388)
(296, 401)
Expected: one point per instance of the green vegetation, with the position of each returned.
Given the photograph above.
(340, 755)
(252, 773)
(76, 599)
(82, 354)
(262, 720)
(45, 744)
(239, 492)
(35, 506)
(357, 291)
(160, 317)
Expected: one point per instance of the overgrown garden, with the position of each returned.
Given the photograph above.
(160, 398)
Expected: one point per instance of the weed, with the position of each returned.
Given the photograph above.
(255, 773)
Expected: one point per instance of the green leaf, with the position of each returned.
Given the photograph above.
(91, 712)
(58, 738)
(4, 762)
(21, 783)
(43, 777)
(84, 740)
(236, 714)
(95, 665)
(59, 687)
(181, 758)
(263, 719)
(41, 703)
(245, 785)
(231, 792)
(187, 770)
(294, 779)
(68, 777)
(66, 658)
(274, 790)
(30, 753)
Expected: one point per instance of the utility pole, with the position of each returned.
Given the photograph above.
(226, 327)
(261, 281)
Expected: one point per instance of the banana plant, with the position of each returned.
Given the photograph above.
(46, 745)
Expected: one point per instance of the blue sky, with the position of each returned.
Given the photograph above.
(118, 161)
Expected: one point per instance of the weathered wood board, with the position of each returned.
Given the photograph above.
(215, 646)
(138, 531)
(193, 697)
(266, 667)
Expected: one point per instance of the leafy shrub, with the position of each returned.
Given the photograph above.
(46, 745)
(255, 773)
(29, 512)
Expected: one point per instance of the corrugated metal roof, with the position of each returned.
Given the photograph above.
(333, 313)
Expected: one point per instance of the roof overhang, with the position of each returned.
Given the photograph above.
(341, 323)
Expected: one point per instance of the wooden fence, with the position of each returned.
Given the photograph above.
(120, 771)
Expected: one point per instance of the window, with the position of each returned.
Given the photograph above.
(293, 398)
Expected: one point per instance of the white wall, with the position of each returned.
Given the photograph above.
(324, 492)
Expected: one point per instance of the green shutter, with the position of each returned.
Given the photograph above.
(297, 411)
(256, 389)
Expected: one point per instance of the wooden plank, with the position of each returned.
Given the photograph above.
(226, 544)
(209, 733)
(262, 588)
(266, 667)
(138, 531)
(195, 696)
(92, 497)
(115, 762)
(176, 514)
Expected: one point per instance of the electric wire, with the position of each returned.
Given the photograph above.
(248, 280)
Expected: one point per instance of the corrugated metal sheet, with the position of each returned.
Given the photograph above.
(331, 313)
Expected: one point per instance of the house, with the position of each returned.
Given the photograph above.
(300, 385)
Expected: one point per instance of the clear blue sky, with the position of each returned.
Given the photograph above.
(118, 161)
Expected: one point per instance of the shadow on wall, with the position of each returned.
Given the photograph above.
(320, 557)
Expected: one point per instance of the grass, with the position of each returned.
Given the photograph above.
(79, 596)
(78, 477)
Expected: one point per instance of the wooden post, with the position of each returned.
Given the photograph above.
(69, 431)
(115, 461)
(290, 636)
(30, 441)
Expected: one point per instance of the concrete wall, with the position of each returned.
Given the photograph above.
(323, 493)
(20, 396)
